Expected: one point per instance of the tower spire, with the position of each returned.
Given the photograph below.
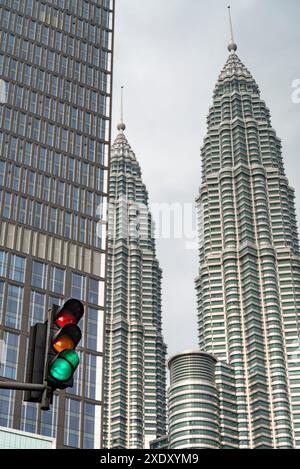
(122, 126)
(232, 46)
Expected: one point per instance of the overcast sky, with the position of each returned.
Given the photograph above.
(168, 55)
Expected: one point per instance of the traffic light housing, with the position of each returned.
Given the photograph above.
(36, 360)
(64, 336)
(52, 359)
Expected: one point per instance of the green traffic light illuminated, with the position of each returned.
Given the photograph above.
(64, 366)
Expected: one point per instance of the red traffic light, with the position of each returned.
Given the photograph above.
(64, 318)
(70, 313)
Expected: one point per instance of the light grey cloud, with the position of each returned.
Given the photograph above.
(168, 54)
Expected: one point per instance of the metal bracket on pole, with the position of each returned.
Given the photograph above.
(47, 398)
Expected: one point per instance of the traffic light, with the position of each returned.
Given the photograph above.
(64, 336)
(52, 360)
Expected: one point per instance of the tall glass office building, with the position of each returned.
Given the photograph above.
(135, 370)
(248, 286)
(55, 71)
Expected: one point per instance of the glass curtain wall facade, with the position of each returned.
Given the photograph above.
(193, 402)
(55, 68)
(135, 369)
(202, 404)
(248, 286)
(225, 382)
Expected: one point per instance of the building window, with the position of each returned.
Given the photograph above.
(14, 306)
(76, 199)
(7, 205)
(37, 308)
(68, 225)
(28, 153)
(57, 280)
(8, 367)
(38, 215)
(72, 423)
(49, 420)
(77, 378)
(53, 300)
(90, 376)
(46, 188)
(89, 425)
(93, 292)
(82, 230)
(17, 268)
(1, 300)
(39, 275)
(3, 263)
(16, 179)
(92, 328)
(42, 159)
(53, 220)
(78, 287)
(89, 203)
(60, 193)
(22, 210)
(2, 172)
(29, 417)
(7, 399)
(71, 169)
(99, 179)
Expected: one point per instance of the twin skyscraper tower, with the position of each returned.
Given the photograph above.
(62, 184)
(242, 388)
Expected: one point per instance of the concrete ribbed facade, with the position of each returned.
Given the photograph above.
(248, 287)
(135, 395)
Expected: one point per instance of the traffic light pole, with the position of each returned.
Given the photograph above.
(47, 393)
(52, 359)
(14, 385)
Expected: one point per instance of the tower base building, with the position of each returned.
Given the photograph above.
(202, 411)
